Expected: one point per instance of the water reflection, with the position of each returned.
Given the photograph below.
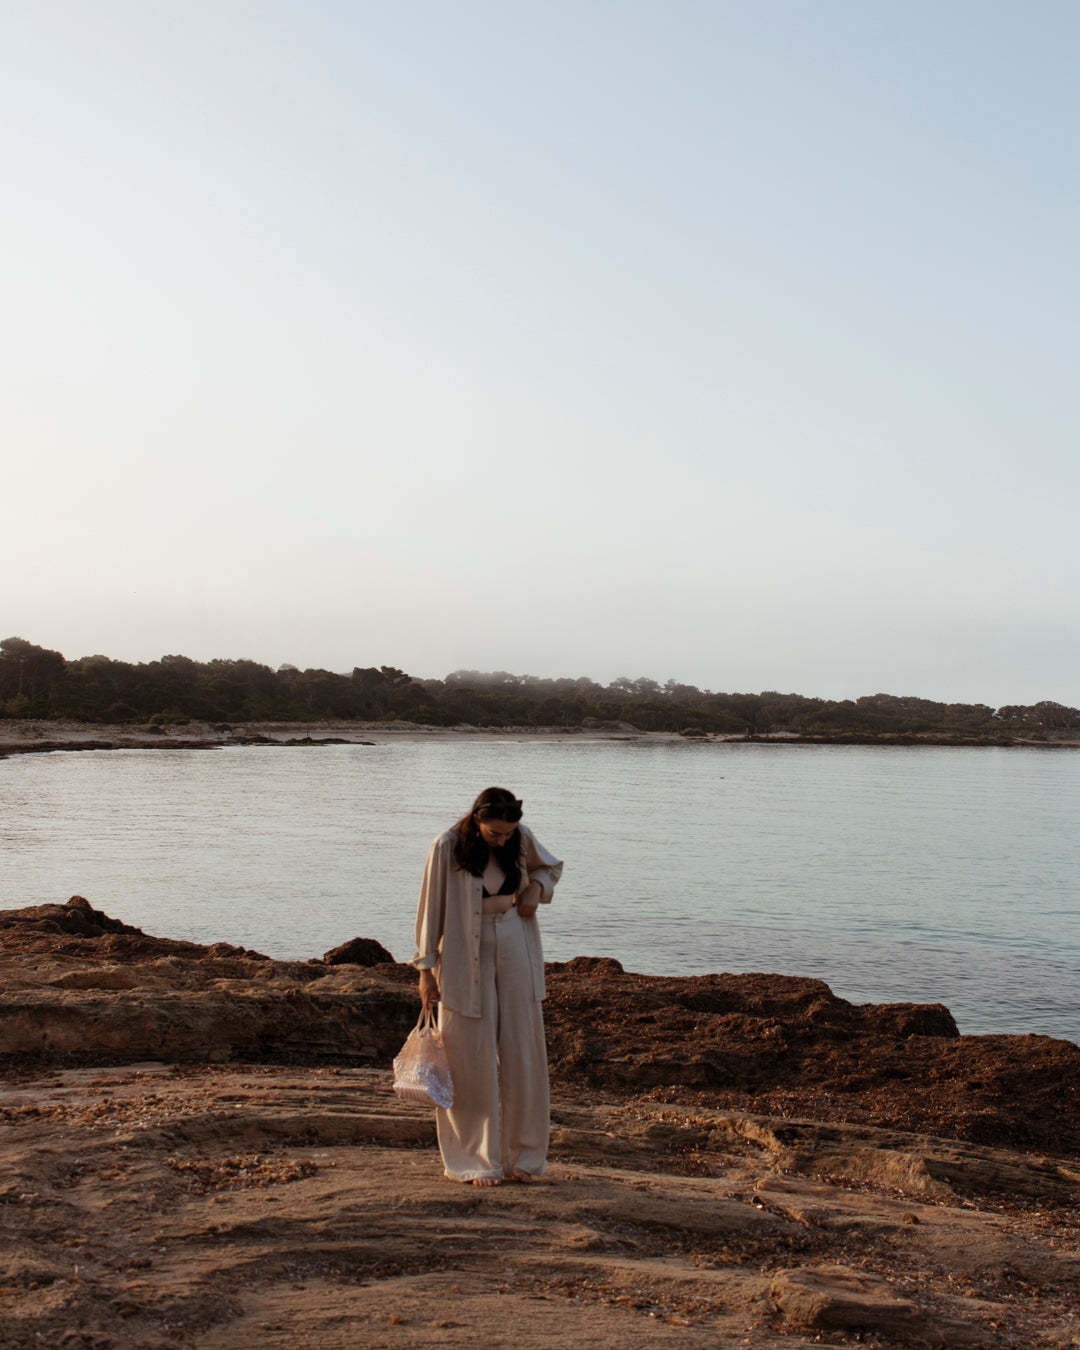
(927, 874)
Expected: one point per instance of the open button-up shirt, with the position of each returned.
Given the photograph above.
(449, 915)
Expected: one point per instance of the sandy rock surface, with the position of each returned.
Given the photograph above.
(742, 1160)
(224, 1206)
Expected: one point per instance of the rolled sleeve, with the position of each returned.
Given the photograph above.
(431, 907)
(543, 867)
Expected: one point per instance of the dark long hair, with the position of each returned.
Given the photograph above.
(471, 853)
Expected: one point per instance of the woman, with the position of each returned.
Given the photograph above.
(478, 953)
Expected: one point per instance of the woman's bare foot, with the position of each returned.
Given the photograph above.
(521, 1175)
(486, 1181)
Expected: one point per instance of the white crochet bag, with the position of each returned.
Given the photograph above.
(421, 1072)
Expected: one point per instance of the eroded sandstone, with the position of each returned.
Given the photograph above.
(216, 1206)
(735, 1158)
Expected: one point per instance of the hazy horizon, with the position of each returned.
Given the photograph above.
(725, 343)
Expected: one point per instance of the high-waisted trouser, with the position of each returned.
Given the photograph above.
(500, 1117)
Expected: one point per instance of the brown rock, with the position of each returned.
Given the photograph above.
(835, 1298)
(359, 952)
(357, 1020)
(789, 1046)
(221, 951)
(79, 983)
(78, 918)
(588, 965)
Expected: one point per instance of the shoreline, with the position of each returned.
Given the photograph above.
(46, 737)
(81, 987)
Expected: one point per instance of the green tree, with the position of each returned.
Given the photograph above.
(30, 672)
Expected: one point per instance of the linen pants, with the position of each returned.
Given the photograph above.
(500, 1117)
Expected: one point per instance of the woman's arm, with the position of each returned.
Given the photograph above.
(430, 918)
(544, 871)
(429, 989)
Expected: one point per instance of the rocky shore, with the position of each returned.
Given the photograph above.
(23, 738)
(200, 1147)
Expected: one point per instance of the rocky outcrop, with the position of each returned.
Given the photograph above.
(78, 918)
(74, 982)
(150, 740)
(80, 985)
(790, 1046)
(359, 952)
(31, 739)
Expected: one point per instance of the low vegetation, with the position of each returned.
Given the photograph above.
(40, 684)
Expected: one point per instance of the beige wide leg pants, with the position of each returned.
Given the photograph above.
(500, 1118)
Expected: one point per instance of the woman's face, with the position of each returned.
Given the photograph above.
(496, 833)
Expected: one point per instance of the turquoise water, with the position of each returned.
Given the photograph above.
(925, 874)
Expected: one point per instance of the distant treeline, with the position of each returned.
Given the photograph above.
(38, 683)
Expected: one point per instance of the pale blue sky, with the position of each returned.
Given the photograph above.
(735, 343)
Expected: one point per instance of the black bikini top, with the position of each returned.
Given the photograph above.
(504, 889)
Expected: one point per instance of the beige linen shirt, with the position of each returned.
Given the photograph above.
(449, 914)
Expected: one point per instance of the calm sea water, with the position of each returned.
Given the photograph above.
(924, 874)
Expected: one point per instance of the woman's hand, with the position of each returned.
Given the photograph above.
(429, 989)
(528, 899)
